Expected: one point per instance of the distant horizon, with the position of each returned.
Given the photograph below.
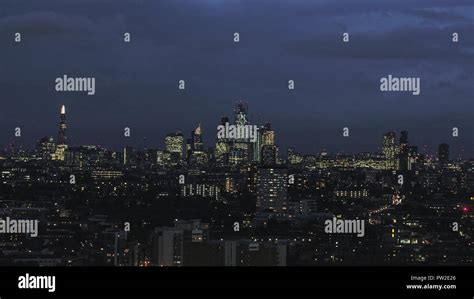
(139, 142)
(337, 83)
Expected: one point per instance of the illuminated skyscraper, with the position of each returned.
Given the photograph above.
(174, 144)
(272, 188)
(46, 147)
(196, 138)
(241, 110)
(62, 138)
(268, 151)
(412, 157)
(223, 147)
(195, 148)
(388, 149)
(257, 146)
(293, 157)
(127, 155)
(242, 149)
(268, 135)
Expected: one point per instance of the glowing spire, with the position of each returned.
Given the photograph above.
(62, 139)
(197, 131)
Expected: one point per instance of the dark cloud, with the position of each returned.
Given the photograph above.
(404, 43)
(437, 15)
(47, 23)
(337, 84)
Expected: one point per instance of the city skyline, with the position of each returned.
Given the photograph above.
(336, 83)
(313, 144)
(160, 142)
(240, 204)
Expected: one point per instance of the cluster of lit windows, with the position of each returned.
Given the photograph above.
(201, 190)
(352, 193)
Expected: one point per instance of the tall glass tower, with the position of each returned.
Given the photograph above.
(62, 138)
(240, 112)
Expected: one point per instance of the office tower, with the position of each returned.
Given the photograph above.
(75, 157)
(443, 153)
(196, 138)
(268, 135)
(174, 143)
(61, 147)
(388, 149)
(272, 188)
(223, 146)
(174, 147)
(46, 147)
(244, 150)
(195, 148)
(265, 137)
(229, 185)
(241, 149)
(62, 138)
(294, 158)
(222, 153)
(269, 151)
(257, 146)
(413, 157)
(240, 153)
(159, 158)
(240, 113)
(127, 155)
(269, 155)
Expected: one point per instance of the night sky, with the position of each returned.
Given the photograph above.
(337, 84)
